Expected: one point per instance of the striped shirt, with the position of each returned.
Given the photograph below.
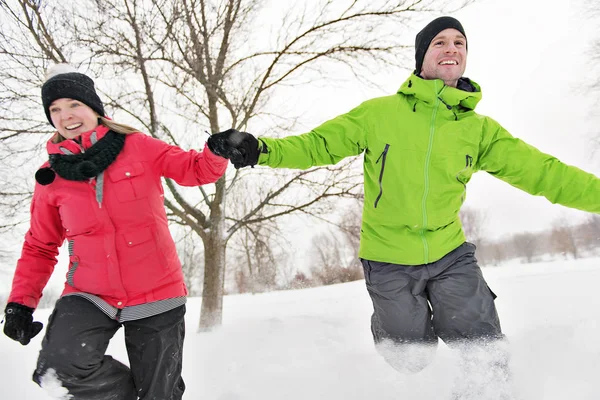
(133, 313)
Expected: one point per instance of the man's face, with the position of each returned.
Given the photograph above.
(446, 57)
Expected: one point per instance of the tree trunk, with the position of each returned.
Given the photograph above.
(211, 312)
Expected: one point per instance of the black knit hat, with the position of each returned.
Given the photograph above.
(65, 82)
(427, 34)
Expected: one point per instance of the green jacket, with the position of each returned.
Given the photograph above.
(422, 145)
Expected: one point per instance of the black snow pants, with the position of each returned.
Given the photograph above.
(73, 352)
(417, 304)
(448, 299)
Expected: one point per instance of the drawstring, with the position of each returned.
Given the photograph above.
(449, 107)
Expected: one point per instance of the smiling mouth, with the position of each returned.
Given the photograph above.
(74, 126)
(449, 62)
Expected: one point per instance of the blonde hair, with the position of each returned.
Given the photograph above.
(117, 126)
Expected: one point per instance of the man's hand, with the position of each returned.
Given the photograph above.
(18, 323)
(241, 148)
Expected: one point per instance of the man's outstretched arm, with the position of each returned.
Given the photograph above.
(535, 172)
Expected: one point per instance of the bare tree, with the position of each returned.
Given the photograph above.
(334, 258)
(526, 245)
(563, 238)
(473, 222)
(351, 224)
(175, 68)
(474, 225)
(255, 263)
(300, 281)
(192, 261)
(591, 9)
(590, 233)
(326, 258)
(331, 261)
(495, 252)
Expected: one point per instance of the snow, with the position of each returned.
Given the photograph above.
(316, 343)
(53, 387)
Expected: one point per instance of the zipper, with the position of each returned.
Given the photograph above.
(426, 173)
(382, 157)
(79, 144)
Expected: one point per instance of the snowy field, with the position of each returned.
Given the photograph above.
(316, 344)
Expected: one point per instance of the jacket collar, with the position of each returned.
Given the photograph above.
(75, 146)
(428, 91)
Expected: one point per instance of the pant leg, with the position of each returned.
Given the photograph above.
(155, 349)
(401, 321)
(463, 304)
(73, 351)
(465, 317)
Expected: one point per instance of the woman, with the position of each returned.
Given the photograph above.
(101, 191)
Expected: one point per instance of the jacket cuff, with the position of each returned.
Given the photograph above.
(212, 156)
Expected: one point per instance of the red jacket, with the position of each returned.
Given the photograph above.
(120, 249)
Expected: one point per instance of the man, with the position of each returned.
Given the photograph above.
(422, 146)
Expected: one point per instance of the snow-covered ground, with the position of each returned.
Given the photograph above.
(316, 344)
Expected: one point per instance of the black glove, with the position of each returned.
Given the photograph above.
(18, 323)
(225, 143)
(241, 148)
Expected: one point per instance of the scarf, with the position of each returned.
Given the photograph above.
(85, 165)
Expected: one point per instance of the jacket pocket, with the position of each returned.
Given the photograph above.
(464, 174)
(141, 247)
(143, 264)
(381, 158)
(492, 292)
(128, 181)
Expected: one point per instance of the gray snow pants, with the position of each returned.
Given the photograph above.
(73, 351)
(414, 305)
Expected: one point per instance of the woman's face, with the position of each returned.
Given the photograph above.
(71, 117)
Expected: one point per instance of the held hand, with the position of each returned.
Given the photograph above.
(18, 323)
(241, 148)
(225, 143)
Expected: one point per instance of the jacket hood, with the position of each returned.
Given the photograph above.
(74, 146)
(428, 90)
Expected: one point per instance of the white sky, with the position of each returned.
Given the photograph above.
(531, 59)
(316, 343)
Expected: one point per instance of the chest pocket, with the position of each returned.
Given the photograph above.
(464, 175)
(76, 205)
(129, 181)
